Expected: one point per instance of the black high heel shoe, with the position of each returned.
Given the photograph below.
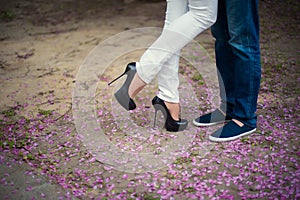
(122, 95)
(170, 124)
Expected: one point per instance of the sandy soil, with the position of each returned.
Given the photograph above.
(42, 44)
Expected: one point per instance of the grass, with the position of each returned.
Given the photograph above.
(45, 112)
(6, 15)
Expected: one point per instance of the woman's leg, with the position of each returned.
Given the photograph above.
(168, 80)
(179, 32)
(167, 89)
(201, 15)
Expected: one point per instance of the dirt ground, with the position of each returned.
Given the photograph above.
(43, 43)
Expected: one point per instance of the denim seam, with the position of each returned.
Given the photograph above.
(249, 102)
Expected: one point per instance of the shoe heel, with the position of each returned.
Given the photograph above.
(117, 78)
(170, 124)
(155, 115)
(157, 108)
(130, 66)
(122, 95)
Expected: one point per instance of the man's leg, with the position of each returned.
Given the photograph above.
(224, 56)
(225, 66)
(243, 26)
(243, 31)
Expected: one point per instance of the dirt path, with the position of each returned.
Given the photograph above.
(42, 45)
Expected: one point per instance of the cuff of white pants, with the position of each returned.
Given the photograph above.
(142, 75)
(168, 99)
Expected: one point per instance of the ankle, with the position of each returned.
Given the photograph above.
(135, 86)
(174, 109)
(238, 122)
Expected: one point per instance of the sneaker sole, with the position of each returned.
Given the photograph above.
(214, 139)
(209, 124)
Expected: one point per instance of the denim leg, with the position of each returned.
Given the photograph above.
(224, 57)
(243, 31)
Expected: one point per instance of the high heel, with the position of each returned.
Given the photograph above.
(122, 95)
(170, 124)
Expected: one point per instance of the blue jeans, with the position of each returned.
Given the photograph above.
(238, 58)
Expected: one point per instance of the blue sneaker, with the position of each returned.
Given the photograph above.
(213, 118)
(231, 131)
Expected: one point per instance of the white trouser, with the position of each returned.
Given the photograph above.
(185, 19)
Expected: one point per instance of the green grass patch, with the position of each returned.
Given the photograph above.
(9, 112)
(197, 77)
(6, 15)
(45, 112)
